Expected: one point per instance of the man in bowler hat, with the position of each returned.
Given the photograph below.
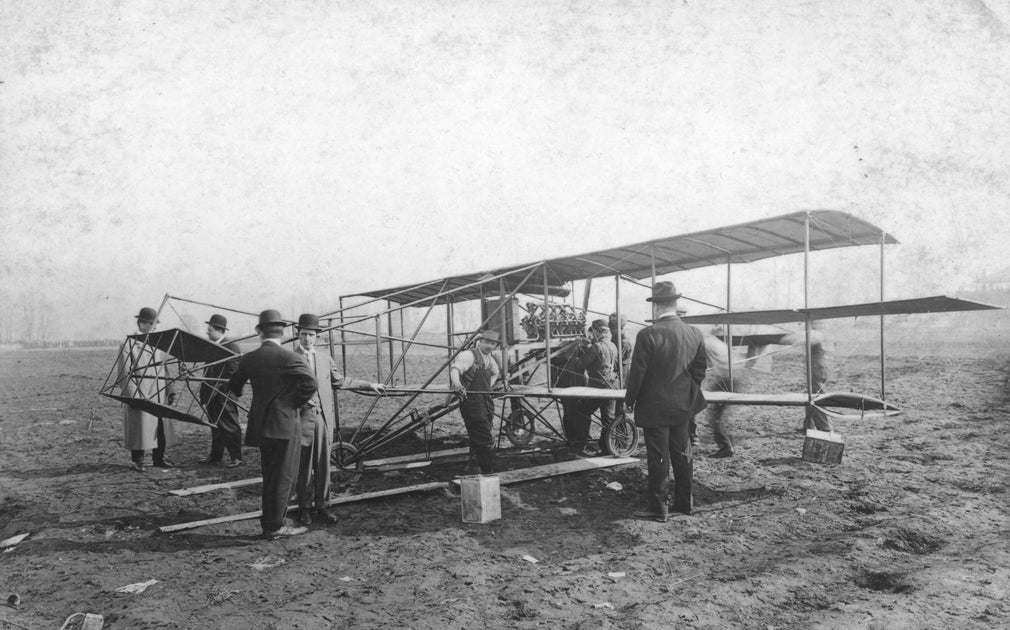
(664, 392)
(472, 374)
(317, 422)
(142, 373)
(282, 383)
(218, 402)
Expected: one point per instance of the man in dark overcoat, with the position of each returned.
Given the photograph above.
(282, 383)
(664, 392)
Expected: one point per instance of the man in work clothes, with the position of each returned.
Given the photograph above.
(599, 361)
(142, 373)
(282, 383)
(717, 379)
(313, 484)
(472, 374)
(218, 402)
(664, 392)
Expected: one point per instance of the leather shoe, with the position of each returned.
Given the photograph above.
(325, 516)
(138, 466)
(286, 530)
(165, 463)
(649, 515)
(235, 463)
(722, 452)
(304, 518)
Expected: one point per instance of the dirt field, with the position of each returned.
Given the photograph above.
(910, 531)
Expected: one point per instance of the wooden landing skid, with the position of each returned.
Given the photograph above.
(504, 478)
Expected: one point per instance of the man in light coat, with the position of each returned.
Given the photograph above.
(317, 422)
(142, 373)
(664, 392)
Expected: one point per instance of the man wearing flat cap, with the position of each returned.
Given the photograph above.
(317, 422)
(282, 383)
(143, 431)
(218, 402)
(664, 392)
(472, 375)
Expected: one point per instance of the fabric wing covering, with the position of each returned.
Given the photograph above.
(746, 242)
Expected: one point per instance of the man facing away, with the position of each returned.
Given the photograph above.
(282, 383)
(317, 424)
(143, 431)
(664, 393)
(471, 376)
(218, 402)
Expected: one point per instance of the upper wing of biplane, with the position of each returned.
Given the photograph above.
(745, 242)
(935, 304)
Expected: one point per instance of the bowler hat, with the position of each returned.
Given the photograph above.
(308, 321)
(218, 321)
(147, 314)
(490, 335)
(663, 291)
(270, 316)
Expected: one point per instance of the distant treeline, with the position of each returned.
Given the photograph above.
(66, 343)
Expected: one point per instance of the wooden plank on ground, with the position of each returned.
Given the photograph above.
(416, 457)
(560, 468)
(185, 492)
(422, 487)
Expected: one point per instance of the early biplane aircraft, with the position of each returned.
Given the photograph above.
(525, 304)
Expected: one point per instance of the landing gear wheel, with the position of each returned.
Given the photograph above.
(345, 465)
(519, 427)
(620, 438)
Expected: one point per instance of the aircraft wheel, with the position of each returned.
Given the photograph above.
(620, 439)
(519, 427)
(345, 466)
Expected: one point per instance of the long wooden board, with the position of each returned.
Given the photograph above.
(504, 478)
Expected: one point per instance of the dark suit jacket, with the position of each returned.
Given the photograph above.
(281, 383)
(209, 391)
(667, 368)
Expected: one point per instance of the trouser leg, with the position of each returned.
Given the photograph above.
(230, 431)
(158, 454)
(477, 418)
(279, 465)
(682, 461)
(302, 489)
(136, 456)
(657, 452)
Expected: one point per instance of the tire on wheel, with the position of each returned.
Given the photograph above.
(345, 465)
(620, 438)
(519, 427)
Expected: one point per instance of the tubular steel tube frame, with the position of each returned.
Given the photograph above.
(367, 447)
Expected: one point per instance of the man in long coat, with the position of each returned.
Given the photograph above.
(218, 401)
(664, 391)
(317, 421)
(142, 373)
(282, 383)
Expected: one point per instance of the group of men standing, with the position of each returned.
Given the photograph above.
(291, 418)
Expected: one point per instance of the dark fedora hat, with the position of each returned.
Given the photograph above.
(218, 321)
(490, 335)
(271, 316)
(148, 314)
(308, 321)
(663, 291)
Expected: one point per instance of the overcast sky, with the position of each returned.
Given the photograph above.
(280, 154)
